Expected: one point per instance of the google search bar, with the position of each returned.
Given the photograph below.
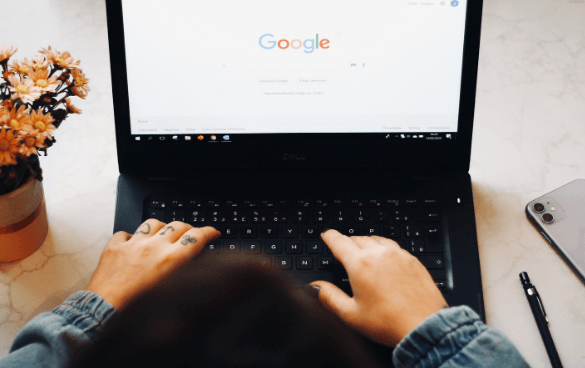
(291, 65)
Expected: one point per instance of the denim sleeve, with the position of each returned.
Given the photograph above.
(455, 338)
(51, 338)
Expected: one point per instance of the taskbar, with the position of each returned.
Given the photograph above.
(295, 137)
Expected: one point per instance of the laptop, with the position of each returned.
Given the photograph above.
(272, 121)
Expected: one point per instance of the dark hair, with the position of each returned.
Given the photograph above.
(226, 311)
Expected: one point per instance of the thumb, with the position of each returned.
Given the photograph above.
(335, 300)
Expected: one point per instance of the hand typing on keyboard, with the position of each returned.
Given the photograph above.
(392, 290)
(132, 264)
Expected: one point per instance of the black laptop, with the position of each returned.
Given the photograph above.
(273, 121)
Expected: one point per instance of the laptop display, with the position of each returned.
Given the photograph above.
(223, 71)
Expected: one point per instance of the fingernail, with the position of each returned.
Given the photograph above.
(316, 287)
(325, 229)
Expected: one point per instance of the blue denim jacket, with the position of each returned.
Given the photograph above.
(452, 338)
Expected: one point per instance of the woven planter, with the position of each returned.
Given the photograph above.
(23, 221)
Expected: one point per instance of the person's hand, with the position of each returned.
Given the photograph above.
(133, 264)
(392, 291)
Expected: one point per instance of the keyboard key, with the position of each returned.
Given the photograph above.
(434, 238)
(416, 246)
(177, 203)
(338, 203)
(177, 216)
(440, 283)
(250, 204)
(252, 246)
(431, 262)
(304, 263)
(392, 231)
(325, 263)
(303, 204)
(400, 216)
(320, 216)
(284, 204)
(305, 278)
(231, 204)
(427, 215)
(319, 203)
(412, 231)
(238, 216)
(231, 246)
(361, 215)
(311, 232)
(300, 216)
(374, 203)
(431, 203)
(279, 216)
(290, 231)
(352, 230)
(195, 203)
(218, 217)
(213, 204)
(294, 247)
(393, 203)
(411, 203)
(314, 247)
(249, 232)
(340, 216)
(358, 203)
(157, 204)
(380, 216)
(228, 232)
(284, 263)
(269, 231)
(273, 247)
(369, 230)
(212, 247)
(158, 215)
(259, 216)
(267, 203)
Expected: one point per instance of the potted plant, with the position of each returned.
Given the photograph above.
(34, 102)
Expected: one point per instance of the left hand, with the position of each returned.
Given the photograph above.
(133, 264)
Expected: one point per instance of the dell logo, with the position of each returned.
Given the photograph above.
(294, 156)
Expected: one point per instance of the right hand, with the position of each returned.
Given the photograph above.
(392, 291)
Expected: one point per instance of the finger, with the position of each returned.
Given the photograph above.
(193, 241)
(149, 228)
(364, 242)
(386, 242)
(335, 300)
(119, 238)
(173, 231)
(342, 247)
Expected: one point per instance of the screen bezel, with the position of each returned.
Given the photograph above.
(415, 156)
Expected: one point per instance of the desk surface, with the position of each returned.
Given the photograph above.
(529, 138)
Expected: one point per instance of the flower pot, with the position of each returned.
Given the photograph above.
(23, 221)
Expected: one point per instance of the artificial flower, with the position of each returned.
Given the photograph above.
(6, 104)
(18, 120)
(42, 124)
(41, 79)
(31, 144)
(80, 81)
(7, 74)
(7, 52)
(39, 62)
(79, 92)
(9, 147)
(62, 60)
(71, 108)
(24, 89)
(19, 68)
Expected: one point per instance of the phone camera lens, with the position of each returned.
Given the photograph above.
(538, 207)
(548, 218)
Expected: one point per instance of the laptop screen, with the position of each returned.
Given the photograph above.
(229, 70)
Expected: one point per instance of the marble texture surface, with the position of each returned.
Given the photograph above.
(529, 138)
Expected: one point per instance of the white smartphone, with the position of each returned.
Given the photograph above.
(560, 218)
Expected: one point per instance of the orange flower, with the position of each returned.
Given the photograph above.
(18, 120)
(42, 124)
(9, 147)
(39, 62)
(24, 89)
(7, 104)
(31, 144)
(63, 60)
(71, 108)
(79, 92)
(19, 68)
(41, 79)
(80, 81)
(7, 53)
(7, 74)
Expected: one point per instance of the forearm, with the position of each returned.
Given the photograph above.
(455, 338)
(51, 338)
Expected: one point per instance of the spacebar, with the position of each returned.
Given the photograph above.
(304, 278)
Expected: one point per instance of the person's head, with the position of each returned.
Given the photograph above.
(226, 311)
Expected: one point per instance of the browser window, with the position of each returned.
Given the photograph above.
(246, 67)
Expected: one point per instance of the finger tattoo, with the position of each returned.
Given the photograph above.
(144, 229)
(188, 239)
(167, 228)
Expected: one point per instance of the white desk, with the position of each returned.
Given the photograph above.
(529, 138)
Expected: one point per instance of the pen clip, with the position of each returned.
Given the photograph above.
(540, 303)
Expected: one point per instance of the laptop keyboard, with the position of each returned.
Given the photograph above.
(289, 230)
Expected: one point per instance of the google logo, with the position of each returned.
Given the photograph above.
(309, 44)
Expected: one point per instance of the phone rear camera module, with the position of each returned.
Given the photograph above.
(538, 207)
(548, 218)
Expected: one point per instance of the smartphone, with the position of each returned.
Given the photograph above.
(560, 218)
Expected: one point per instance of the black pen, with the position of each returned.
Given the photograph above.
(541, 320)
